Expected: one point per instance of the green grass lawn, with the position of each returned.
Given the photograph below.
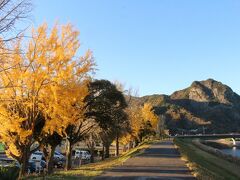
(89, 171)
(206, 165)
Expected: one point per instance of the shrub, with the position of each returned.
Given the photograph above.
(9, 173)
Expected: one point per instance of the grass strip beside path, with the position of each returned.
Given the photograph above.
(89, 171)
(206, 165)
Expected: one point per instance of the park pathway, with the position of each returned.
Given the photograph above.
(159, 161)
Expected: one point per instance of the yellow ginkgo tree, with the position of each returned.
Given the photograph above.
(149, 115)
(136, 120)
(143, 121)
(39, 83)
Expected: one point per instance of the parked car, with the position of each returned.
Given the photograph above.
(37, 155)
(85, 155)
(7, 162)
(35, 166)
(58, 155)
(58, 163)
(59, 160)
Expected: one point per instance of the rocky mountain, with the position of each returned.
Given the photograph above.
(206, 105)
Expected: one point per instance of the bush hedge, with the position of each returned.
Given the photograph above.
(9, 173)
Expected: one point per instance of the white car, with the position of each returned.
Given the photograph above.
(82, 154)
(37, 155)
(58, 155)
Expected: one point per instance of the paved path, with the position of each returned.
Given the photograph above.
(159, 161)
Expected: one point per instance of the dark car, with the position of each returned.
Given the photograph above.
(58, 163)
(59, 160)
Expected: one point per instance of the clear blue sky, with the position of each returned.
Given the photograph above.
(156, 46)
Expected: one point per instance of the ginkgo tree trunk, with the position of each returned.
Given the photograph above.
(39, 81)
(77, 132)
(66, 109)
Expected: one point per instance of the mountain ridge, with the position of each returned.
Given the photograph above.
(208, 103)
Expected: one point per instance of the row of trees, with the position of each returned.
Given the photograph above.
(42, 90)
(47, 94)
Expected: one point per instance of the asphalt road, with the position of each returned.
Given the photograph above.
(159, 161)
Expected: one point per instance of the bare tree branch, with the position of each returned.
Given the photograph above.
(12, 13)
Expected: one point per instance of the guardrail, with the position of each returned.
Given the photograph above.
(209, 136)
